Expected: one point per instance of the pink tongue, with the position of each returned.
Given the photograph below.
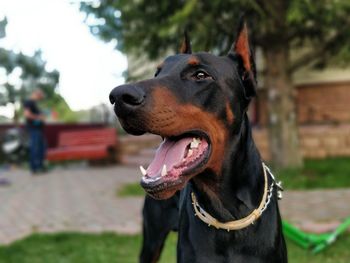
(169, 153)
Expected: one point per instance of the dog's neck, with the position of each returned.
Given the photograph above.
(239, 188)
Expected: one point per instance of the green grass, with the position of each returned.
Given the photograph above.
(79, 248)
(338, 252)
(316, 174)
(112, 248)
(132, 189)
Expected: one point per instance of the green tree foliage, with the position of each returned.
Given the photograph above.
(291, 34)
(152, 27)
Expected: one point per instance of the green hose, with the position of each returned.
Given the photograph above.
(333, 236)
(316, 241)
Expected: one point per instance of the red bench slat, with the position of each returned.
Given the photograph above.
(105, 136)
(78, 153)
(84, 145)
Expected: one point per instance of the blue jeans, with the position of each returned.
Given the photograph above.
(37, 149)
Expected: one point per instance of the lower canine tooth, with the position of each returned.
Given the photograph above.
(143, 170)
(163, 172)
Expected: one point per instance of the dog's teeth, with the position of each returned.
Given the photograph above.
(163, 172)
(150, 179)
(195, 142)
(143, 170)
(190, 152)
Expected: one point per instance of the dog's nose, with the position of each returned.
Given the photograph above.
(129, 96)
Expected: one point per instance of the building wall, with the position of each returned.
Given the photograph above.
(316, 103)
(326, 102)
(316, 141)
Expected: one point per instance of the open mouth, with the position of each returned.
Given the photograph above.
(176, 159)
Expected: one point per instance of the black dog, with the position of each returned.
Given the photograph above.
(228, 209)
(159, 218)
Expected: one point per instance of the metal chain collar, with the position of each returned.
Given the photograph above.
(275, 182)
(250, 219)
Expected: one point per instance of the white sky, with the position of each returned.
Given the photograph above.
(89, 68)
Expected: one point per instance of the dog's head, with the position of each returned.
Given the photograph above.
(196, 102)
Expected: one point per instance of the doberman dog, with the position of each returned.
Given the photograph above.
(227, 209)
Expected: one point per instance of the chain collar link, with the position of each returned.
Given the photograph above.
(244, 222)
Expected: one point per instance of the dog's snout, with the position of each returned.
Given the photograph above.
(111, 98)
(127, 96)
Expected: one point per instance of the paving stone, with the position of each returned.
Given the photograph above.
(67, 200)
(84, 199)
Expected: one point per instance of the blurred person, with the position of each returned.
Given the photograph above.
(35, 122)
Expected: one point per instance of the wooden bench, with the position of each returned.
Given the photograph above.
(97, 144)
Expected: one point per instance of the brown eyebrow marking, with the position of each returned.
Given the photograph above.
(193, 61)
(229, 114)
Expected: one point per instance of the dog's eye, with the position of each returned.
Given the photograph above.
(199, 75)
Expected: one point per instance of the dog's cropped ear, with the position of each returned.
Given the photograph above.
(186, 44)
(242, 52)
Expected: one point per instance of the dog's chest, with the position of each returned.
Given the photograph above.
(200, 243)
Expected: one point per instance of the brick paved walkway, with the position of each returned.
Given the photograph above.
(76, 199)
(84, 199)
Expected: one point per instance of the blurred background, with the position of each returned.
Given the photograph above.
(84, 203)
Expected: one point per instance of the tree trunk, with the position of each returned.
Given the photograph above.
(282, 122)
